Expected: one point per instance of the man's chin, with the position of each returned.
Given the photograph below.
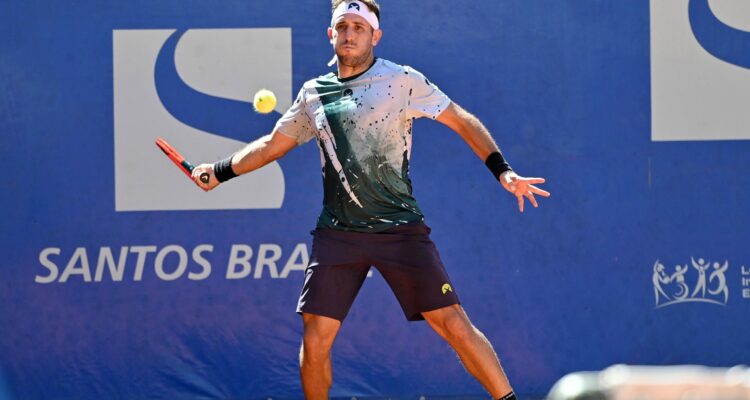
(350, 60)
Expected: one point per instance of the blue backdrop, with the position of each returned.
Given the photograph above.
(576, 284)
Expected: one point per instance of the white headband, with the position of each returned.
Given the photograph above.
(355, 7)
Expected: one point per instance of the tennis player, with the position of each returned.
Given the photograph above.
(361, 117)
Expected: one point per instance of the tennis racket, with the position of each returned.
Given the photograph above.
(179, 160)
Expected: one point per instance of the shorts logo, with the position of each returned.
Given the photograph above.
(353, 5)
(446, 288)
(700, 70)
(194, 88)
(702, 281)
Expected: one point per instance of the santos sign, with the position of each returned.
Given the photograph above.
(168, 263)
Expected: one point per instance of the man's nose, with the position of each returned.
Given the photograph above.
(348, 34)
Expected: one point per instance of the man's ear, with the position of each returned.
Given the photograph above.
(376, 37)
(330, 35)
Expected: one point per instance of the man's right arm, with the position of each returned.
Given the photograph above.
(254, 155)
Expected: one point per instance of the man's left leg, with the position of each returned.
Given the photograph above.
(409, 262)
(472, 347)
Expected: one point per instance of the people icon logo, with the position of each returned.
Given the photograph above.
(674, 288)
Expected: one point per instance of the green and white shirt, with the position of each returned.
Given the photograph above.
(363, 126)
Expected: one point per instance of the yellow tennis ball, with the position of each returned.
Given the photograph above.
(264, 101)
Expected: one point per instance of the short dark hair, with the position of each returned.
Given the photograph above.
(371, 4)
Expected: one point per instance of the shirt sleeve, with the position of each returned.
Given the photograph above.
(425, 98)
(295, 122)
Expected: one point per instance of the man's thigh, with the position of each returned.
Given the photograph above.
(411, 265)
(336, 271)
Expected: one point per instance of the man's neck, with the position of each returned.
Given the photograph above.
(347, 71)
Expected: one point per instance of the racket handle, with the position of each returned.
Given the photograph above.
(204, 177)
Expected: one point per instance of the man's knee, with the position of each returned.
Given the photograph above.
(452, 323)
(319, 334)
(314, 344)
(460, 329)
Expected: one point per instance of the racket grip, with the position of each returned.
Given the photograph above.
(204, 177)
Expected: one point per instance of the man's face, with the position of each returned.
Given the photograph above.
(353, 39)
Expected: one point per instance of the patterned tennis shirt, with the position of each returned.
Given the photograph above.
(363, 127)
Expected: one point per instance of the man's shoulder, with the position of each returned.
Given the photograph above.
(407, 71)
(318, 81)
(391, 66)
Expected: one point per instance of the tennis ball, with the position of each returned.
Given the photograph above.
(264, 101)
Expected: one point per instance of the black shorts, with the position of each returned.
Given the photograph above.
(405, 256)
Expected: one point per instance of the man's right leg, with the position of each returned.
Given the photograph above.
(315, 355)
(333, 277)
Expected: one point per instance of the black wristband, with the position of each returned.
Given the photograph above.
(509, 396)
(223, 169)
(497, 164)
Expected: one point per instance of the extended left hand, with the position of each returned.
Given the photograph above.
(522, 187)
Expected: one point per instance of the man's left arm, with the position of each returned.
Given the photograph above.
(474, 133)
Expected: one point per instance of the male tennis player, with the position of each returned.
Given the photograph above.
(361, 118)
